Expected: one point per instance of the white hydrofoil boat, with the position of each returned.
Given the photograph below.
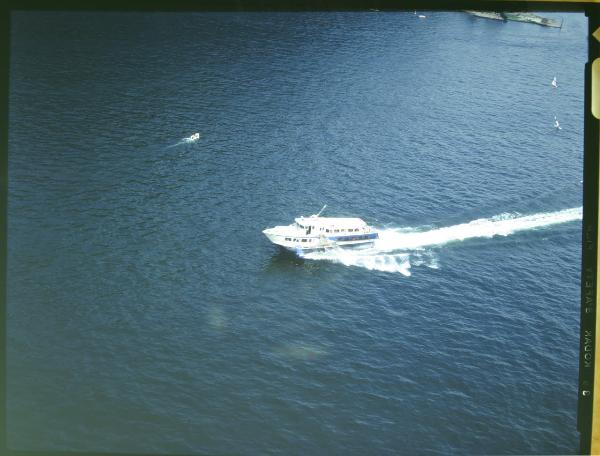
(318, 233)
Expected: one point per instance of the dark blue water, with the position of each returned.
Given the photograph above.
(148, 313)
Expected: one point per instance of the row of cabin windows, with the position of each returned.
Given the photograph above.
(327, 230)
(354, 238)
(350, 230)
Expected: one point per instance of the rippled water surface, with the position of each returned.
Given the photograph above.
(148, 313)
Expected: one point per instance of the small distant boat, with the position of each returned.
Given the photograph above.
(556, 124)
(320, 233)
(554, 83)
(194, 137)
(422, 16)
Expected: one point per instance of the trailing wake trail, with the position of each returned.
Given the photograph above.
(500, 225)
(396, 247)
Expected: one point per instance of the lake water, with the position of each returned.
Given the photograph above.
(146, 310)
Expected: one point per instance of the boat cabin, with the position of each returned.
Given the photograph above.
(331, 225)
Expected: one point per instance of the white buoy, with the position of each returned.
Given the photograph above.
(554, 83)
(556, 124)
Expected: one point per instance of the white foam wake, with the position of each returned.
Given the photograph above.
(191, 139)
(395, 248)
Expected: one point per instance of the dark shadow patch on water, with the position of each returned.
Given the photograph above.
(286, 261)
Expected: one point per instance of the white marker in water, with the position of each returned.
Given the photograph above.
(554, 83)
(556, 124)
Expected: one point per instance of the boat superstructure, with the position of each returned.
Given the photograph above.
(317, 233)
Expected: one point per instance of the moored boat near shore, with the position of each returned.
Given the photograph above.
(517, 17)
